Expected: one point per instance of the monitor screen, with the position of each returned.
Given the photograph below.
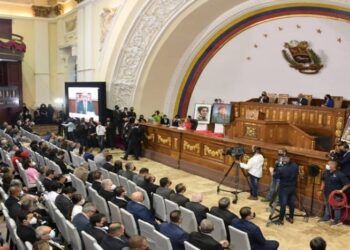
(85, 100)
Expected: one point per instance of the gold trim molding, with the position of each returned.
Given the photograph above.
(150, 137)
(213, 153)
(192, 148)
(164, 141)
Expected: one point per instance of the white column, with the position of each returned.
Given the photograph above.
(88, 42)
(42, 71)
(80, 44)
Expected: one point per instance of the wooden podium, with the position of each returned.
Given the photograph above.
(255, 127)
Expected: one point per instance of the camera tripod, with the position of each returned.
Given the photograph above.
(236, 191)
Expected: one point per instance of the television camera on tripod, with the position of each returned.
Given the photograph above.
(236, 153)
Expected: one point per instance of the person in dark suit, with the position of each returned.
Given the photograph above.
(97, 178)
(264, 98)
(165, 120)
(59, 160)
(173, 231)
(120, 197)
(109, 164)
(135, 139)
(82, 220)
(222, 211)
(129, 171)
(149, 185)
(64, 202)
(203, 239)
(98, 221)
(256, 238)
(179, 197)
(301, 100)
(164, 190)
(140, 178)
(13, 202)
(343, 159)
(48, 180)
(107, 190)
(25, 230)
(200, 211)
(288, 175)
(85, 105)
(115, 240)
(139, 211)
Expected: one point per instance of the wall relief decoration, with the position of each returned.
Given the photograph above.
(106, 18)
(301, 57)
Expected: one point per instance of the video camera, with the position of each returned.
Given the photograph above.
(236, 152)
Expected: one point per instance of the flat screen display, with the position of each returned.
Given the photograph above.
(87, 100)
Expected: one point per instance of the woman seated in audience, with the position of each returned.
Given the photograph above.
(328, 101)
(31, 171)
(78, 202)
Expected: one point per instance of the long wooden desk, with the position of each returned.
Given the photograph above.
(312, 119)
(203, 156)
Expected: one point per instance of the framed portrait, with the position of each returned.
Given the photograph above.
(221, 113)
(202, 113)
(346, 133)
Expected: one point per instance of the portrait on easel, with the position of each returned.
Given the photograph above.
(202, 113)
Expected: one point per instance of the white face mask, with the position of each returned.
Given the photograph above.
(33, 221)
(328, 167)
(21, 193)
(52, 234)
(113, 187)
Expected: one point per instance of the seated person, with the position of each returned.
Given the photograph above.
(301, 101)
(140, 211)
(98, 221)
(328, 101)
(115, 238)
(222, 211)
(78, 202)
(318, 243)
(107, 190)
(256, 238)
(176, 121)
(25, 229)
(179, 197)
(82, 171)
(138, 242)
(129, 171)
(120, 197)
(200, 211)
(149, 185)
(165, 120)
(97, 178)
(164, 190)
(48, 180)
(174, 231)
(64, 202)
(263, 98)
(140, 178)
(82, 220)
(203, 239)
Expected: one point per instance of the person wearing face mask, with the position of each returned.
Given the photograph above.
(288, 176)
(256, 238)
(45, 236)
(107, 190)
(82, 220)
(25, 229)
(275, 182)
(78, 202)
(13, 202)
(332, 180)
(31, 171)
(98, 227)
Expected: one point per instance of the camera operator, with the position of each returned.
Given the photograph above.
(275, 181)
(254, 167)
(343, 158)
(288, 175)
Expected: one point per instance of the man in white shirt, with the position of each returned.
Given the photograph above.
(254, 167)
(56, 189)
(100, 132)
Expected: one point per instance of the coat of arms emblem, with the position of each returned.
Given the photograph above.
(301, 57)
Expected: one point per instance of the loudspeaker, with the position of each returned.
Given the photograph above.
(314, 170)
